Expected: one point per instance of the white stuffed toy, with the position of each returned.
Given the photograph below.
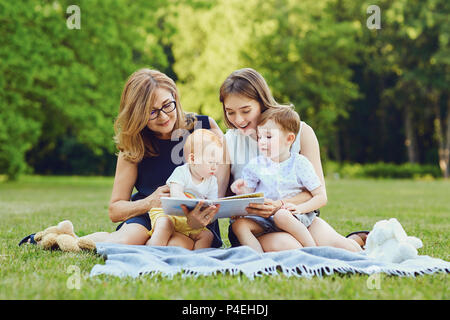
(388, 242)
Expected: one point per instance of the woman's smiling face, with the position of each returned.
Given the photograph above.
(243, 113)
(163, 125)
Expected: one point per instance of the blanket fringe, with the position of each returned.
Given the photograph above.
(121, 257)
(300, 271)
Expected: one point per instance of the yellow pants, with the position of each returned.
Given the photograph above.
(180, 223)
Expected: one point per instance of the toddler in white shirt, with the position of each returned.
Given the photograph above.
(195, 179)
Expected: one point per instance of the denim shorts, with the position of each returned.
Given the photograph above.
(269, 226)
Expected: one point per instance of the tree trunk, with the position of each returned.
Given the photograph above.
(442, 131)
(337, 146)
(410, 141)
(447, 144)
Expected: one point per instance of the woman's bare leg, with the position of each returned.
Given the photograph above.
(278, 241)
(325, 235)
(132, 233)
(360, 238)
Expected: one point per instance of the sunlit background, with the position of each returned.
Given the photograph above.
(377, 99)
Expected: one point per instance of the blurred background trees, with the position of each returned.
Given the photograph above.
(371, 95)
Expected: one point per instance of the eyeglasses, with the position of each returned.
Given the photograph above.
(167, 108)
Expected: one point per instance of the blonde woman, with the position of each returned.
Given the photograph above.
(150, 133)
(245, 95)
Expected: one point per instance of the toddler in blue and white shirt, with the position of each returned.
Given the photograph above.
(278, 173)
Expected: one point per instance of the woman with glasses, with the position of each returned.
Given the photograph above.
(150, 133)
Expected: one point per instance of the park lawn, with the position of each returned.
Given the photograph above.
(34, 203)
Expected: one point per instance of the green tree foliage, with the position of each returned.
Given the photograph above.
(370, 95)
(207, 47)
(409, 59)
(306, 53)
(61, 86)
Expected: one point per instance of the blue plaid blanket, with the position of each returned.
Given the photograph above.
(134, 261)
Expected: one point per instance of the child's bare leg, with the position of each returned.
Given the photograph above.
(203, 239)
(180, 240)
(245, 230)
(162, 232)
(286, 221)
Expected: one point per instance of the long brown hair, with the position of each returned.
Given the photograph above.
(249, 83)
(132, 136)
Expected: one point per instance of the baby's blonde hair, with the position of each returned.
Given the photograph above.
(199, 140)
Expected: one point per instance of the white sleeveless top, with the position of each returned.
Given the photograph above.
(242, 149)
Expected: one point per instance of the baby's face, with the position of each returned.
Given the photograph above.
(272, 141)
(206, 163)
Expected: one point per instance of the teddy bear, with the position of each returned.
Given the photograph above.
(63, 237)
(389, 242)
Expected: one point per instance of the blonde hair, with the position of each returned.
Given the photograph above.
(286, 118)
(199, 140)
(249, 83)
(132, 136)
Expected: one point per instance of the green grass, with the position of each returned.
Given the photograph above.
(34, 203)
